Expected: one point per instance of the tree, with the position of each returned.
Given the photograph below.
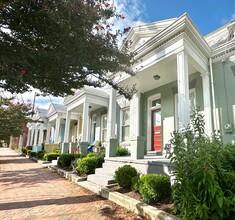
(57, 45)
(13, 118)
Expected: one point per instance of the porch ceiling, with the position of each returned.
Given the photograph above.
(166, 69)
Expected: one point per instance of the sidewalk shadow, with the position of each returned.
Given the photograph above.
(46, 202)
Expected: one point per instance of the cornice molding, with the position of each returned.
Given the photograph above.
(227, 48)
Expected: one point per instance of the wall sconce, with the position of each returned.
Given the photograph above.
(156, 77)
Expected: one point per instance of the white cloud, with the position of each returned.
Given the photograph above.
(133, 11)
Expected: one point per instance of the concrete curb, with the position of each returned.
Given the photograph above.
(133, 205)
(69, 175)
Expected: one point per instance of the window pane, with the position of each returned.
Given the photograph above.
(126, 117)
(125, 133)
(104, 135)
(104, 122)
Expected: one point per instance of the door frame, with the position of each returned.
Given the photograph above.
(149, 119)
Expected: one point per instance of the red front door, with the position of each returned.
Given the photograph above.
(156, 130)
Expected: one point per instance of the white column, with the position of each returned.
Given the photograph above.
(48, 132)
(207, 102)
(183, 90)
(32, 136)
(111, 115)
(41, 134)
(67, 127)
(36, 136)
(28, 137)
(134, 116)
(57, 130)
(78, 124)
(85, 122)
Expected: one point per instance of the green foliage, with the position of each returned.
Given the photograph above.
(40, 154)
(154, 187)
(31, 153)
(75, 42)
(121, 151)
(204, 175)
(51, 156)
(58, 151)
(123, 176)
(66, 159)
(13, 118)
(29, 148)
(24, 150)
(88, 164)
(135, 183)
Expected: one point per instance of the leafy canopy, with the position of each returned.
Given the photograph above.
(57, 45)
(13, 118)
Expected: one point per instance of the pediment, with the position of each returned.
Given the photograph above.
(51, 109)
(139, 35)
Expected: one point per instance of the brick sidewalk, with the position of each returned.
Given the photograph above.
(28, 191)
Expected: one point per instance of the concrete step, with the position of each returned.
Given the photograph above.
(100, 179)
(91, 186)
(112, 166)
(105, 171)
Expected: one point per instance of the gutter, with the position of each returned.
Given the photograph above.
(213, 97)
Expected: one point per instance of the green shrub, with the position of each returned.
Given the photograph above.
(66, 159)
(29, 147)
(122, 151)
(32, 153)
(123, 176)
(98, 156)
(51, 156)
(135, 183)
(58, 151)
(87, 165)
(24, 150)
(204, 176)
(40, 154)
(154, 187)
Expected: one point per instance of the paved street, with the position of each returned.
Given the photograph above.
(28, 191)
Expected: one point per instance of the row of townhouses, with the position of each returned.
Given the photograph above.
(179, 69)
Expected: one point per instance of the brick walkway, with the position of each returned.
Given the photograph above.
(28, 191)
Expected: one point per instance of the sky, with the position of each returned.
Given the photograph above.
(207, 15)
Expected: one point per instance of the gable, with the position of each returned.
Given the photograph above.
(51, 109)
(139, 35)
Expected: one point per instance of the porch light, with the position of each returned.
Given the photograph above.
(156, 77)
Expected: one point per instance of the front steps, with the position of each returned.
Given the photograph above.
(103, 176)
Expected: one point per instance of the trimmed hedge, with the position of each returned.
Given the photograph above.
(90, 162)
(40, 154)
(51, 156)
(31, 153)
(124, 175)
(66, 159)
(121, 151)
(154, 187)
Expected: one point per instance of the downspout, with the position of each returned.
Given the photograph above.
(213, 97)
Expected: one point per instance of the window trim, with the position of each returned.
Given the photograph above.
(121, 126)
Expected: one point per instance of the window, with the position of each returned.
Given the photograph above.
(104, 128)
(126, 124)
